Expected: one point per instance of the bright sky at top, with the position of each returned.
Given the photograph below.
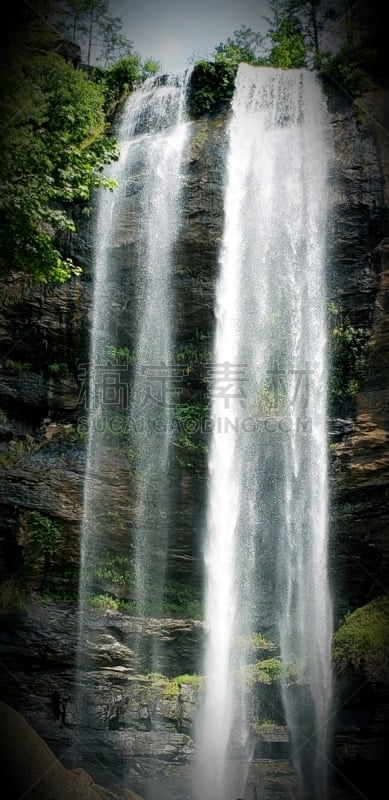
(173, 30)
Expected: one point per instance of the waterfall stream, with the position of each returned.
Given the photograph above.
(131, 350)
(266, 538)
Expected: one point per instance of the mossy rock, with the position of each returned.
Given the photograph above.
(364, 633)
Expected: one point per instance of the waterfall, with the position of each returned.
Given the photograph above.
(129, 400)
(153, 399)
(265, 548)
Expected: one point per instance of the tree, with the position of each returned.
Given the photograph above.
(288, 47)
(119, 78)
(53, 151)
(313, 16)
(71, 19)
(244, 46)
(150, 67)
(90, 25)
(113, 44)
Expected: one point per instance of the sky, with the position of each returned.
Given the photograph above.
(171, 31)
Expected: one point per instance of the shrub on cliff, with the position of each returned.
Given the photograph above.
(53, 147)
(119, 78)
(348, 71)
(212, 86)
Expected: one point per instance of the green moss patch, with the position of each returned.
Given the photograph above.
(171, 687)
(365, 632)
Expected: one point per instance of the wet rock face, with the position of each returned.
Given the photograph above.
(128, 722)
(357, 211)
(360, 474)
(359, 460)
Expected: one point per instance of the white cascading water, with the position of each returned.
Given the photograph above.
(266, 538)
(134, 235)
(159, 224)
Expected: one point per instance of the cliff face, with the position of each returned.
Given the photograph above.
(359, 474)
(44, 341)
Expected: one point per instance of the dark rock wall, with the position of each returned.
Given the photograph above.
(359, 461)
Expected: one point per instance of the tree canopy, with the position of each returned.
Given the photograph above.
(244, 46)
(53, 149)
(330, 36)
(90, 24)
(54, 138)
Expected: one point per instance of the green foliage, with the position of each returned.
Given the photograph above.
(127, 606)
(192, 420)
(109, 603)
(69, 432)
(149, 67)
(103, 601)
(347, 71)
(171, 687)
(154, 677)
(288, 47)
(11, 598)
(179, 600)
(119, 79)
(256, 641)
(113, 43)
(119, 354)
(17, 366)
(312, 16)
(53, 153)
(364, 632)
(89, 24)
(263, 723)
(45, 534)
(191, 609)
(194, 609)
(212, 86)
(191, 680)
(254, 673)
(15, 452)
(244, 47)
(49, 598)
(269, 670)
(348, 349)
(116, 569)
(259, 642)
(59, 369)
(190, 354)
(293, 41)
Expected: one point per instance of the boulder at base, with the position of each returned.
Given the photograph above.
(31, 771)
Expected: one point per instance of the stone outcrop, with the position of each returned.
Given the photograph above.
(28, 767)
